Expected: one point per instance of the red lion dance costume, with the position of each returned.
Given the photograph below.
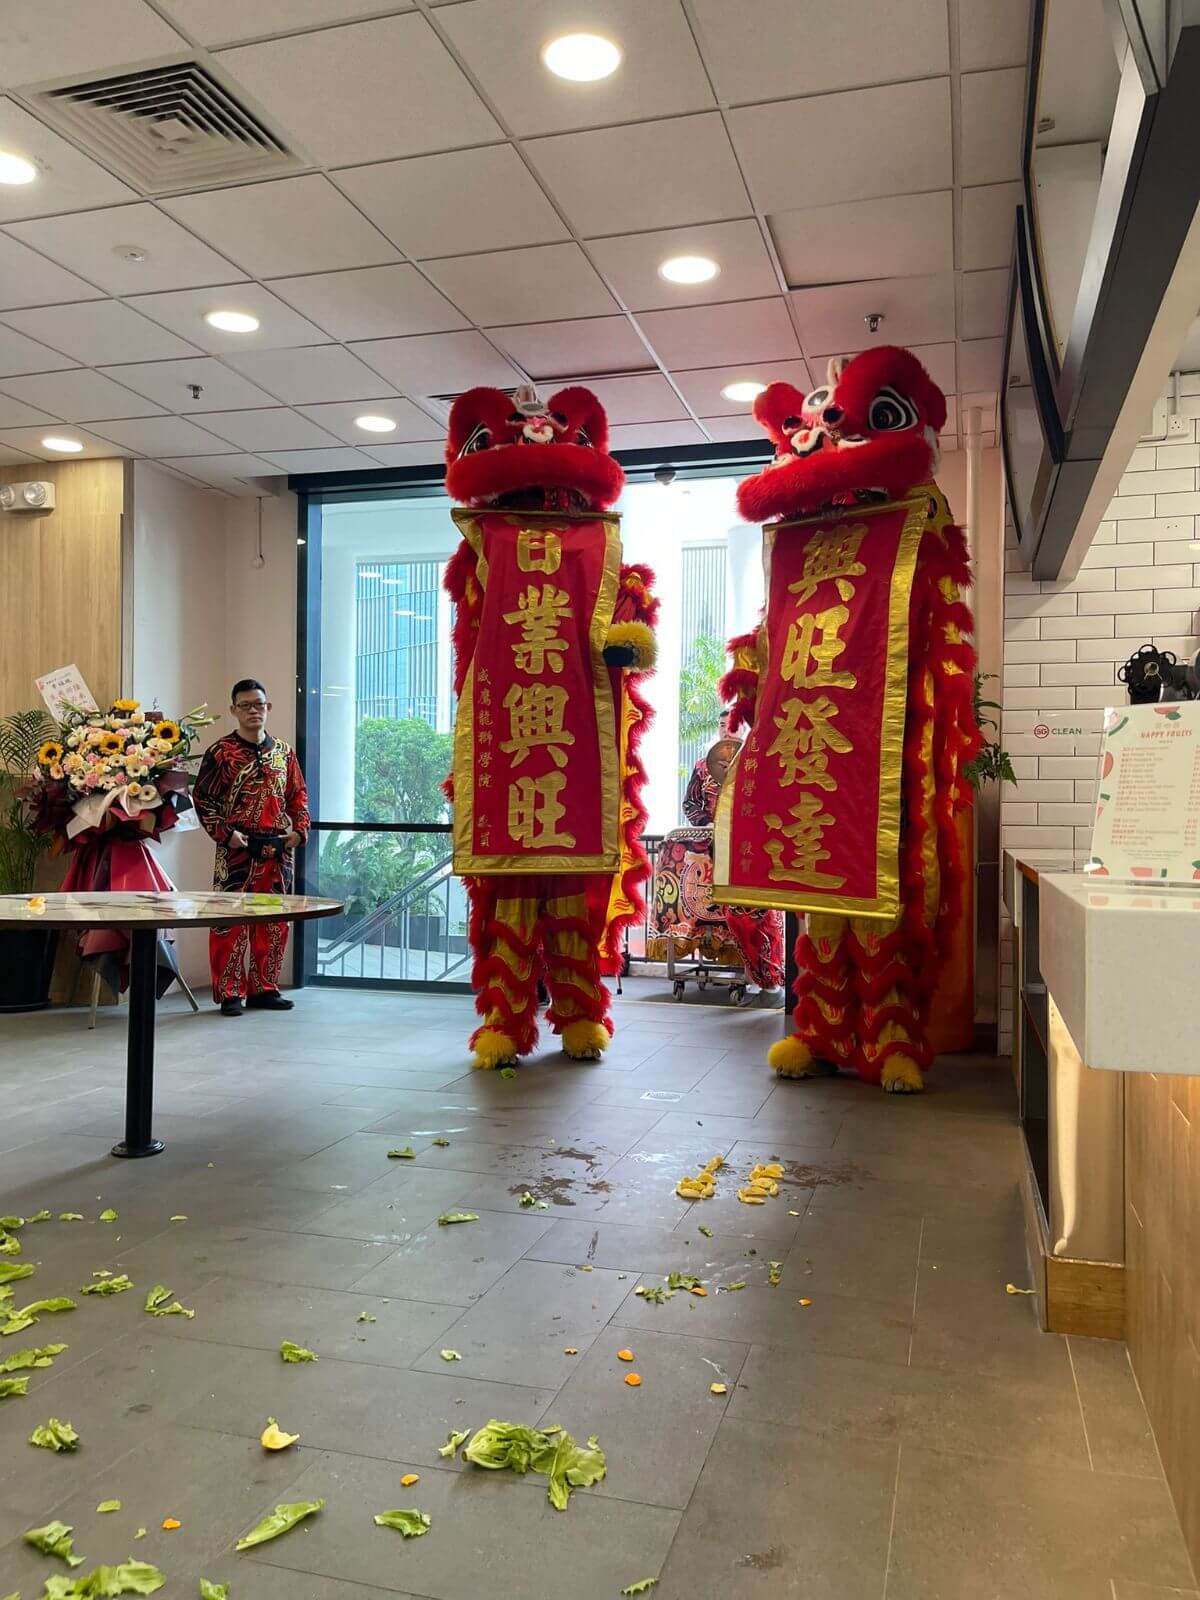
(551, 634)
(858, 690)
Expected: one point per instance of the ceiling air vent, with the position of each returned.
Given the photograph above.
(164, 129)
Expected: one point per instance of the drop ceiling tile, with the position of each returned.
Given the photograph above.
(428, 454)
(497, 204)
(713, 336)
(365, 91)
(309, 376)
(725, 430)
(184, 311)
(278, 429)
(90, 243)
(544, 282)
(45, 39)
(685, 166)
(287, 225)
(631, 265)
(228, 472)
(14, 458)
(216, 22)
(321, 461)
(17, 414)
(30, 440)
(702, 389)
(650, 435)
(66, 181)
(894, 140)
(983, 303)
(900, 236)
(28, 279)
(980, 364)
(992, 126)
(371, 303)
(645, 397)
(411, 422)
(550, 350)
(937, 359)
(660, 75)
(988, 220)
(991, 35)
(780, 49)
(99, 333)
(169, 383)
(915, 311)
(438, 363)
(20, 354)
(162, 436)
(80, 395)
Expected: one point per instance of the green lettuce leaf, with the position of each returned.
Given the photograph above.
(180, 1217)
(18, 1321)
(573, 1466)
(296, 1352)
(775, 1274)
(683, 1280)
(12, 1386)
(644, 1587)
(54, 1540)
(40, 1216)
(70, 1216)
(213, 1591)
(451, 1355)
(453, 1440)
(10, 1245)
(106, 1506)
(708, 1233)
(280, 1521)
(10, 1271)
(117, 1285)
(12, 1222)
(140, 1534)
(730, 1287)
(131, 1577)
(448, 1217)
(55, 1435)
(156, 1304)
(107, 1216)
(412, 1524)
(656, 1294)
(442, 1144)
(43, 1356)
(407, 1154)
(508, 1072)
(521, 1449)
(365, 1316)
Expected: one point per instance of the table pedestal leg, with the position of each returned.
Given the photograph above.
(139, 1082)
(791, 972)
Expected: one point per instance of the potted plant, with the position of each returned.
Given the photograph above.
(26, 956)
(992, 764)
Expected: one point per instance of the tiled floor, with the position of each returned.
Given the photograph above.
(910, 1435)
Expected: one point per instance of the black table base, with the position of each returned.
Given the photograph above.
(139, 1080)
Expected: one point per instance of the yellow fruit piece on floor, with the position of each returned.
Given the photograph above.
(804, 1302)
(409, 1478)
(274, 1438)
(570, 1350)
(718, 1388)
(633, 1380)
(624, 1355)
(700, 1291)
(769, 1169)
(171, 1523)
(748, 1198)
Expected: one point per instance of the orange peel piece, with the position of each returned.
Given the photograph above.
(409, 1478)
(274, 1438)
(171, 1523)
(633, 1380)
(700, 1291)
(624, 1355)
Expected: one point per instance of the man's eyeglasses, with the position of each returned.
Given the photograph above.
(249, 705)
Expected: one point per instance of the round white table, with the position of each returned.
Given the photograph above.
(142, 916)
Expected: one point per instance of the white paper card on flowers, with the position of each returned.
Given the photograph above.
(64, 690)
(1147, 824)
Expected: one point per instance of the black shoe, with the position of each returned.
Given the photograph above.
(269, 1000)
(231, 1007)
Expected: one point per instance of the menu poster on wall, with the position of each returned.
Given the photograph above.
(1147, 822)
(64, 690)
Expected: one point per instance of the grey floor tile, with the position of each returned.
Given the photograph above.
(658, 1251)
(965, 1528)
(1118, 1428)
(456, 1265)
(966, 1322)
(258, 1581)
(262, 1254)
(810, 1523)
(517, 1331)
(488, 1531)
(1123, 1589)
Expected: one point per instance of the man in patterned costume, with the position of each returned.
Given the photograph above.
(551, 635)
(250, 797)
(857, 689)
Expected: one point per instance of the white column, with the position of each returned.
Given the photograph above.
(745, 577)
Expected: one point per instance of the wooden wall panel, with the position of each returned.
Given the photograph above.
(1162, 1165)
(60, 581)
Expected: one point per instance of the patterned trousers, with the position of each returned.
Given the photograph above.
(264, 943)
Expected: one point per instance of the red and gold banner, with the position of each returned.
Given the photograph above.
(809, 815)
(536, 756)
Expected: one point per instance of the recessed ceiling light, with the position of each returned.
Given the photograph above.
(372, 424)
(15, 169)
(688, 269)
(231, 321)
(582, 57)
(54, 441)
(744, 391)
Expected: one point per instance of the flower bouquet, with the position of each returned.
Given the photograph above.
(105, 786)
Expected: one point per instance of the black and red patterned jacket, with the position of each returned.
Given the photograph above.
(254, 789)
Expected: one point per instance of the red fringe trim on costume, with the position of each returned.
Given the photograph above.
(638, 870)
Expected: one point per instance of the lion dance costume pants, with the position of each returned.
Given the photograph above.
(530, 929)
(257, 946)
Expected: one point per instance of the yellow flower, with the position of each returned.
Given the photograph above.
(111, 743)
(125, 707)
(168, 731)
(72, 763)
(50, 754)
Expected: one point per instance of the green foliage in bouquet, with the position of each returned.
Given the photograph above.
(22, 735)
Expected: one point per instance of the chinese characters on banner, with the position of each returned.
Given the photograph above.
(536, 781)
(809, 816)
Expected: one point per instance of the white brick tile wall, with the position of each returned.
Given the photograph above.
(1139, 584)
